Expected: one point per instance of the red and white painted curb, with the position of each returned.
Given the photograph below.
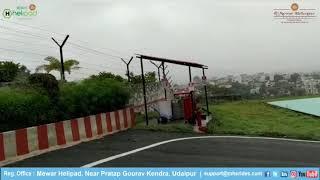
(27, 142)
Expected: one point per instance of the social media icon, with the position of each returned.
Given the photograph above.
(293, 174)
(301, 174)
(312, 174)
(274, 174)
(284, 174)
(267, 174)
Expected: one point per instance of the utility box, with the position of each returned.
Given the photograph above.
(165, 109)
(187, 106)
(177, 109)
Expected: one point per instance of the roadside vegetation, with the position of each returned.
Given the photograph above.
(33, 99)
(256, 118)
(28, 99)
(35, 104)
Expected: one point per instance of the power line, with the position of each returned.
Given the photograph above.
(106, 67)
(86, 52)
(74, 72)
(81, 62)
(98, 58)
(46, 30)
(82, 48)
(32, 49)
(23, 32)
(19, 35)
(17, 51)
(27, 43)
(19, 59)
(109, 49)
(74, 44)
(33, 27)
(23, 42)
(93, 50)
(97, 65)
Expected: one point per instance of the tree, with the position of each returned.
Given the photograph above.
(278, 77)
(299, 91)
(46, 82)
(240, 89)
(150, 77)
(263, 89)
(218, 91)
(295, 77)
(22, 76)
(10, 70)
(273, 91)
(267, 78)
(315, 75)
(108, 75)
(55, 65)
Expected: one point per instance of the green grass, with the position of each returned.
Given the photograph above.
(175, 127)
(257, 118)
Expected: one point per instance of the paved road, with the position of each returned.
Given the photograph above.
(217, 152)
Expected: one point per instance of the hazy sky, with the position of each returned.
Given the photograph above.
(230, 36)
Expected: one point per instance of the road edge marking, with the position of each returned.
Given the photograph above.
(186, 138)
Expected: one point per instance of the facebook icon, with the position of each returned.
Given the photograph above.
(267, 174)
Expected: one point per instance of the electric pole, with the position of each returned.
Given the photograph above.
(128, 70)
(61, 56)
(158, 67)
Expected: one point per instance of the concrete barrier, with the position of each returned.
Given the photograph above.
(23, 143)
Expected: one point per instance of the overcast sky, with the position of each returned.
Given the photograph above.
(230, 36)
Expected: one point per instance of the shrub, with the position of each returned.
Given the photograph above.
(107, 75)
(92, 96)
(8, 71)
(46, 82)
(21, 109)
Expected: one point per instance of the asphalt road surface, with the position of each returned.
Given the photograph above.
(208, 152)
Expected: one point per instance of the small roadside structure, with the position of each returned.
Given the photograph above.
(188, 94)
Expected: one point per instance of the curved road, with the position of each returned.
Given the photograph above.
(208, 152)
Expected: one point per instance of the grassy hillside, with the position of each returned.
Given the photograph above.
(258, 118)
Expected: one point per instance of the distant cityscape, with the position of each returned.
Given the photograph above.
(266, 84)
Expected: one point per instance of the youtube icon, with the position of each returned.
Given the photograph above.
(312, 174)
